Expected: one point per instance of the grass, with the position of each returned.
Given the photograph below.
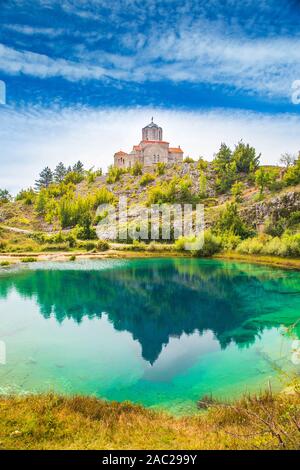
(55, 422)
(261, 259)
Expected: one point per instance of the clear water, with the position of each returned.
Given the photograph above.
(162, 332)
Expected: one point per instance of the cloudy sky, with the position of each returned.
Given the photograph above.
(83, 76)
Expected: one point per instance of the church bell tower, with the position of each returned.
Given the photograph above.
(152, 132)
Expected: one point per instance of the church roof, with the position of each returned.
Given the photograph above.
(154, 142)
(175, 150)
(120, 153)
(151, 125)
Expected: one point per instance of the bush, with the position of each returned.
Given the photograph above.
(3, 245)
(29, 259)
(178, 190)
(114, 174)
(212, 244)
(230, 222)
(160, 168)
(202, 164)
(287, 245)
(4, 264)
(27, 196)
(137, 169)
(292, 175)
(138, 245)
(73, 177)
(188, 160)
(146, 179)
(251, 246)
(230, 241)
(102, 245)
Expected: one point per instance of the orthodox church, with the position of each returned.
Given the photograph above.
(152, 149)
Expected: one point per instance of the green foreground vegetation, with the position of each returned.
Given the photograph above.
(249, 209)
(56, 422)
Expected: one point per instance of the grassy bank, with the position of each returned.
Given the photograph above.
(7, 259)
(293, 263)
(54, 422)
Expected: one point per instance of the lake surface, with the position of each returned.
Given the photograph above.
(162, 332)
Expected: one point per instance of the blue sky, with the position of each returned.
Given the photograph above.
(76, 69)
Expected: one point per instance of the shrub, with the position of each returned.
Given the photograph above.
(160, 168)
(114, 174)
(212, 244)
(237, 191)
(102, 245)
(230, 241)
(287, 245)
(275, 228)
(29, 259)
(292, 175)
(72, 258)
(4, 264)
(202, 185)
(3, 245)
(202, 164)
(146, 179)
(73, 177)
(27, 196)
(138, 245)
(229, 221)
(137, 169)
(250, 246)
(188, 160)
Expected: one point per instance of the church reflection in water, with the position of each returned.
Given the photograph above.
(158, 299)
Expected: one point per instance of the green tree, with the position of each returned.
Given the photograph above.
(287, 159)
(230, 222)
(188, 160)
(60, 173)
(225, 168)
(5, 196)
(245, 158)
(292, 175)
(202, 185)
(222, 159)
(78, 168)
(237, 191)
(262, 180)
(45, 179)
(73, 177)
(202, 164)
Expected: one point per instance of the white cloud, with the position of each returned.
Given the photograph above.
(32, 30)
(34, 138)
(198, 54)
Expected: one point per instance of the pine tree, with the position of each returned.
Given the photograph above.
(5, 195)
(45, 179)
(60, 173)
(78, 168)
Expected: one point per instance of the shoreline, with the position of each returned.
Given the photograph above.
(276, 261)
(83, 422)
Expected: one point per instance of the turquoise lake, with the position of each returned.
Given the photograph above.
(161, 332)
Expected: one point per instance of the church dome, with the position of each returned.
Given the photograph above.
(152, 132)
